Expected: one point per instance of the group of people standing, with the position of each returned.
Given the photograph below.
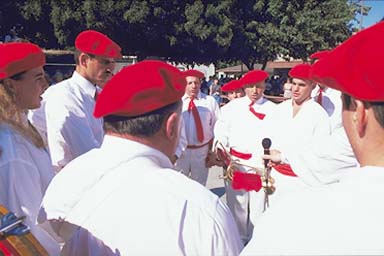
(116, 164)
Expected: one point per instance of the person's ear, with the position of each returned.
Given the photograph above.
(172, 126)
(83, 59)
(360, 117)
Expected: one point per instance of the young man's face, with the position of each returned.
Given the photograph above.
(301, 90)
(255, 91)
(235, 94)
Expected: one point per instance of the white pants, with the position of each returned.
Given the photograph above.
(238, 203)
(192, 164)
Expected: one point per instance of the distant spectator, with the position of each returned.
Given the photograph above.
(204, 86)
(58, 76)
(214, 90)
(288, 89)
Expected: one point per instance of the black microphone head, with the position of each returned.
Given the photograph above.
(266, 143)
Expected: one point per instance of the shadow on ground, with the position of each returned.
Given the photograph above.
(220, 191)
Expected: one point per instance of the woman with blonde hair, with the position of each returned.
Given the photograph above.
(25, 166)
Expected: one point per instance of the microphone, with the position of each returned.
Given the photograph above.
(268, 188)
(266, 145)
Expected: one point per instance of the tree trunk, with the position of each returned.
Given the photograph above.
(248, 64)
(264, 64)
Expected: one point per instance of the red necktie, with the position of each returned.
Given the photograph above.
(258, 115)
(320, 96)
(196, 117)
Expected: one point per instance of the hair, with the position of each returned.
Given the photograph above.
(377, 107)
(11, 115)
(141, 126)
(77, 53)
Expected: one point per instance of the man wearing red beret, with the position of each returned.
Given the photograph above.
(200, 112)
(125, 195)
(330, 100)
(233, 90)
(25, 166)
(296, 125)
(344, 218)
(65, 117)
(239, 131)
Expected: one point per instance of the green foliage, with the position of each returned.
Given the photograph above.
(192, 31)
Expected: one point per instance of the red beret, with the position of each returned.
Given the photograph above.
(231, 86)
(19, 57)
(96, 43)
(194, 72)
(301, 71)
(140, 88)
(355, 67)
(319, 54)
(254, 76)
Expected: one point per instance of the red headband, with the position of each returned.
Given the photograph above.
(231, 86)
(140, 88)
(193, 72)
(96, 43)
(301, 71)
(254, 76)
(19, 57)
(355, 67)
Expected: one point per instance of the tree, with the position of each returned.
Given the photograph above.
(194, 31)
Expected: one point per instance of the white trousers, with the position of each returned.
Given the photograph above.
(238, 203)
(192, 164)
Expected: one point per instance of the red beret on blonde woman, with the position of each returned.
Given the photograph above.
(26, 168)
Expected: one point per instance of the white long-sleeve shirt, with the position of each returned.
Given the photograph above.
(209, 112)
(126, 196)
(239, 128)
(299, 138)
(67, 115)
(344, 218)
(338, 147)
(25, 172)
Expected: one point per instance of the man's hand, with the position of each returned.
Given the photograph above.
(274, 157)
(212, 160)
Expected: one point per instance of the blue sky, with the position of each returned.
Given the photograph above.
(375, 14)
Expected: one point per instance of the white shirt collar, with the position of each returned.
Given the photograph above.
(86, 86)
(138, 149)
(198, 96)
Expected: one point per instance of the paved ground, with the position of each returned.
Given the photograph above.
(214, 183)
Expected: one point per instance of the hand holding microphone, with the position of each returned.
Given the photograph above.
(271, 157)
(267, 180)
(266, 143)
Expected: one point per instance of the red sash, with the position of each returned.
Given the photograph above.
(285, 169)
(244, 156)
(246, 181)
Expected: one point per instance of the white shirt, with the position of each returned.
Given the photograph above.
(67, 115)
(25, 172)
(239, 128)
(128, 197)
(331, 102)
(209, 112)
(341, 151)
(344, 218)
(299, 135)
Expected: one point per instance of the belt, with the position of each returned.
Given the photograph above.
(244, 156)
(199, 146)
